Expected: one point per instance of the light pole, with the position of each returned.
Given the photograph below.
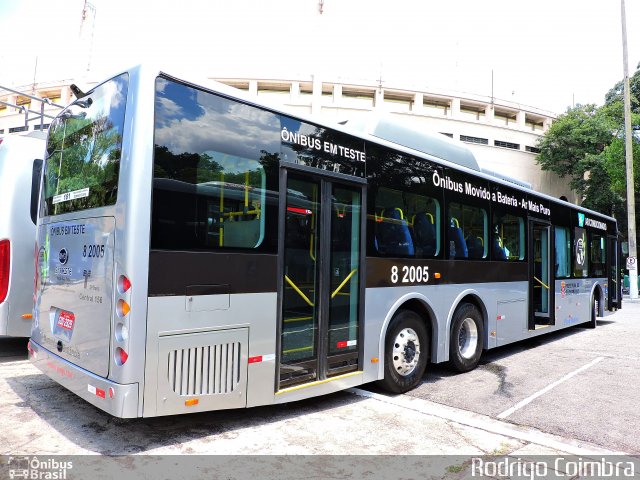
(631, 205)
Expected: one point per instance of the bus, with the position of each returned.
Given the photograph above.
(198, 250)
(20, 170)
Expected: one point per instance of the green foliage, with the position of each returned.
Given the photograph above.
(617, 92)
(586, 144)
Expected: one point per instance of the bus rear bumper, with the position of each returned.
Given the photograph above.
(114, 398)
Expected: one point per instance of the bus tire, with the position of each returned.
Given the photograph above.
(406, 352)
(594, 312)
(467, 333)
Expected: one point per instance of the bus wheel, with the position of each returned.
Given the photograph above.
(406, 352)
(467, 332)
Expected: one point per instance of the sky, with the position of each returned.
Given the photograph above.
(549, 54)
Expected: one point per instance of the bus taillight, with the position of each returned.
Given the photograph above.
(5, 264)
(124, 284)
(123, 308)
(121, 356)
(121, 327)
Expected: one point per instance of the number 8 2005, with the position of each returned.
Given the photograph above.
(409, 274)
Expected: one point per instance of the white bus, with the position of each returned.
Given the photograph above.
(20, 169)
(200, 251)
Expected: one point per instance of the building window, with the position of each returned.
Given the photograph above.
(478, 140)
(436, 106)
(501, 143)
(473, 111)
(18, 129)
(532, 149)
(450, 135)
(505, 117)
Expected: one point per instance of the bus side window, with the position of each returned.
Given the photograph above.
(457, 245)
(405, 224)
(508, 242)
(468, 231)
(392, 233)
(562, 251)
(597, 247)
(424, 232)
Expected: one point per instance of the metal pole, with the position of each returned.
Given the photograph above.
(631, 206)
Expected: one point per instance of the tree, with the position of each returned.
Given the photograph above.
(617, 92)
(572, 145)
(586, 143)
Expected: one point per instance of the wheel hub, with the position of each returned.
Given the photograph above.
(468, 338)
(406, 351)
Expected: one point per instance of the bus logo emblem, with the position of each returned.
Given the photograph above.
(63, 256)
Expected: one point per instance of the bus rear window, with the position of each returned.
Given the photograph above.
(84, 149)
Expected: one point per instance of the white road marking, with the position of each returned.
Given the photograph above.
(539, 393)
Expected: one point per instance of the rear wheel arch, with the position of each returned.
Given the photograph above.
(424, 311)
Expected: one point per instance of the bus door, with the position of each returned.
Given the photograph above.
(613, 276)
(321, 258)
(541, 286)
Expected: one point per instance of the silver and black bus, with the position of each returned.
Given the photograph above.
(198, 250)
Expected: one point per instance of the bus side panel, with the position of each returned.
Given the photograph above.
(573, 300)
(199, 347)
(382, 303)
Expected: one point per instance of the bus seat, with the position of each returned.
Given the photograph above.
(392, 234)
(456, 237)
(475, 247)
(424, 234)
(498, 251)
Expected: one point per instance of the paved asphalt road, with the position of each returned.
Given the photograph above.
(577, 383)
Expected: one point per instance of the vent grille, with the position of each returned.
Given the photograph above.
(209, 370)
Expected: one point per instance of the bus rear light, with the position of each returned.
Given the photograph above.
(121, 356)
(124, 284)
(123, 308)
(112, 392)
(32, 352)
(122, 332)
(5, 264)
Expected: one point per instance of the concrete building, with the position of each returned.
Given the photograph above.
(25, 109)
(502, 135)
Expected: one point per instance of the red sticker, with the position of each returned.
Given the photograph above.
(66, 320)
